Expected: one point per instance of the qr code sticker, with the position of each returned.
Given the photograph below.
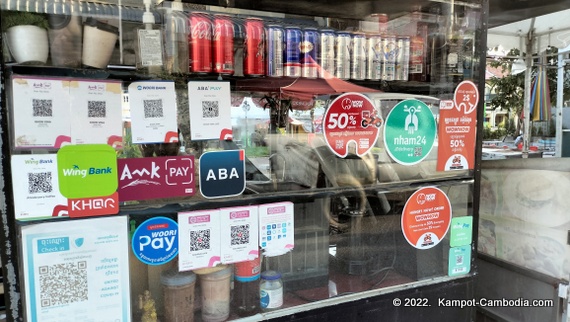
(42, 108)
(96, 109)
(418, 151)
(40, 182)
(153, 108)
(240, 234)
(210, 109)
(199, 240)
(63, 283)
(459, 260)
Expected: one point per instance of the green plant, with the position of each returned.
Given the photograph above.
(19, 18)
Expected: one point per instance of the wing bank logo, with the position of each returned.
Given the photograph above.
(78, 172)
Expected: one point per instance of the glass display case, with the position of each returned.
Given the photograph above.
(220, 160)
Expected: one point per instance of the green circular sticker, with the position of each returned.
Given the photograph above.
(409, 132)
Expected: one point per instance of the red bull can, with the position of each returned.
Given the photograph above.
(403, 58)
(389, 51)
(309, 48)
(326, 56)
(374, 58)
(358, 57)
(274, 43)
(223, 45)
(342, 55)
(254, 47)
(292, 52)
(200, 43)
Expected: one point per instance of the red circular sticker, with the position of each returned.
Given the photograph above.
(426, 217)
(466, 97)
(351, 118)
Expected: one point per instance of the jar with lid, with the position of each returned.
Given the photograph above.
(271, 291)
(178, 292)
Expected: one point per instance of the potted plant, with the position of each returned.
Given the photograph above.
(27, 37)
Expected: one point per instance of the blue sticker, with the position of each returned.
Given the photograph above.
(222, 173)
(155, 241)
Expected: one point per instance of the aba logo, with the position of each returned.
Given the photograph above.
(222, 173)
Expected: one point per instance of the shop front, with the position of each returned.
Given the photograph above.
(212, 161)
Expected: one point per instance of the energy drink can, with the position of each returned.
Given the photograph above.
(374, 58)
(389, 51)
(342, 55)
(292, 52)
(403, 58)
(327, 53)
(254, 48)
(358, 57)
(275, 35)
(309, 48)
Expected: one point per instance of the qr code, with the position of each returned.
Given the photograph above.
(63, 283)
(210, 109)
(153, 108)
(40, 182)
(96, 109)
(42, 108)
(418, 151)
(199, 239)
(459, 260)
(240, 234)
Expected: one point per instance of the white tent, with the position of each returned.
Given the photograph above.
(534, 35)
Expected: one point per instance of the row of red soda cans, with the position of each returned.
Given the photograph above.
(276, 51)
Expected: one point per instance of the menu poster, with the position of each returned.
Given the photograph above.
(36, 188)
(199, 239)
(153, 112)
(276, 232)
(76, 270)
(210, 110)
(239, 228)
(457, 120)
(96, 112)
(41, 112)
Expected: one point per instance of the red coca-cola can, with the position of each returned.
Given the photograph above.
(200, 42)
(223, 45)
(254, 48)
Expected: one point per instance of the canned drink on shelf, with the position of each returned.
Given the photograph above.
(389, 51)
(342, 55)
(200, 43)
(374, 57)
(326, 58)
(254, 47)
(403, 58)
(274, 38)
(309, 48)
(223, 45)
(358, 57)
(292, 52)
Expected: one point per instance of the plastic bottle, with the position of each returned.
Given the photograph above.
(178, 292)
(149, 44)
(175, 36)
(215, 288)
(246, 287)
(271, 291)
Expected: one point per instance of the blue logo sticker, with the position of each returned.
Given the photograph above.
(222, 173)
(155, 241)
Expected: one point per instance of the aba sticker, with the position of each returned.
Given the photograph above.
(155, 242)
(222, 173)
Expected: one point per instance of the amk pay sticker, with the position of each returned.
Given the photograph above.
(409, 132)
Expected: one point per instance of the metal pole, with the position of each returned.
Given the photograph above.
(560, 100)
(527, 85)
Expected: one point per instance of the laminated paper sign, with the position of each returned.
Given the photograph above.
(239, 234)
(276, 228)
(76, 270)
(199, 239)
(210, 110)
(36, 187)
(153, 112)
(41, 112)
(96, 112)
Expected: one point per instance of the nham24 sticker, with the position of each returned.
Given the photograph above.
(351, 118)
